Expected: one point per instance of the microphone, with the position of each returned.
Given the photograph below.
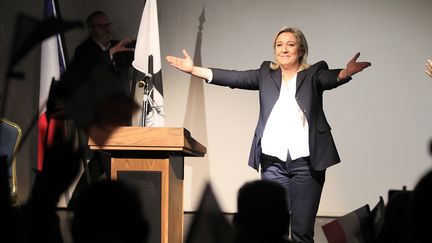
(142, 83)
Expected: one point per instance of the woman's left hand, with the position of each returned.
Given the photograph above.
(429, 68)
(353, 67)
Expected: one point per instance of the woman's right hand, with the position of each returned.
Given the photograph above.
(184, 64)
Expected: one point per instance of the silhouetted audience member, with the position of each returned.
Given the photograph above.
(397, 224)
(9, 214)
(422, 208)
(109, 212)
(263, 215)
(60, 167)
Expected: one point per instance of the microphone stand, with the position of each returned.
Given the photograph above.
(144, 84)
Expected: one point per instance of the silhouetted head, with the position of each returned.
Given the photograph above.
(109, 211)
(422, 208)
(262, 210)
(397, 224)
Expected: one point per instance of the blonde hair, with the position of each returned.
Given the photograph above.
(301, 40)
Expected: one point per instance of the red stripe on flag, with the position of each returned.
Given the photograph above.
(46, 133)
(43, 125)
(334, 232)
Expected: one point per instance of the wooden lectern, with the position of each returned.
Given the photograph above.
(152, 159)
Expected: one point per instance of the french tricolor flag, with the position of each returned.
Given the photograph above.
(53, 64)
(353, 227)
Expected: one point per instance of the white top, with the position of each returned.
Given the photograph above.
(287, 128)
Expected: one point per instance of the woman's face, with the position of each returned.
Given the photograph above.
(287, 50)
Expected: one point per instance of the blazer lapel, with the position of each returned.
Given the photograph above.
(277, 77)
(300, 77)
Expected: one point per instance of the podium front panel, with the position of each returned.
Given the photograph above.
(148, 186)
(150, 174)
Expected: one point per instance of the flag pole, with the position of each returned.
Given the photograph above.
(145, 84)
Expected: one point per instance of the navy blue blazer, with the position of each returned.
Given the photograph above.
(311, 84)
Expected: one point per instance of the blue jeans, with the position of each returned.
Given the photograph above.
(303, 186)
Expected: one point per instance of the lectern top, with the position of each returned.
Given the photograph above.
(156, 139)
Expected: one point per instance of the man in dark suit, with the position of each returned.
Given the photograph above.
(100, 49)
(292, 141)
(97, 77)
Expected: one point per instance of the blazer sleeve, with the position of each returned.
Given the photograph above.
(249, 79)
(328, 78)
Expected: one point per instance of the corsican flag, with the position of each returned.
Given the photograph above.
(148, 61)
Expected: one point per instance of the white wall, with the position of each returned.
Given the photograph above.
(381, 120)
